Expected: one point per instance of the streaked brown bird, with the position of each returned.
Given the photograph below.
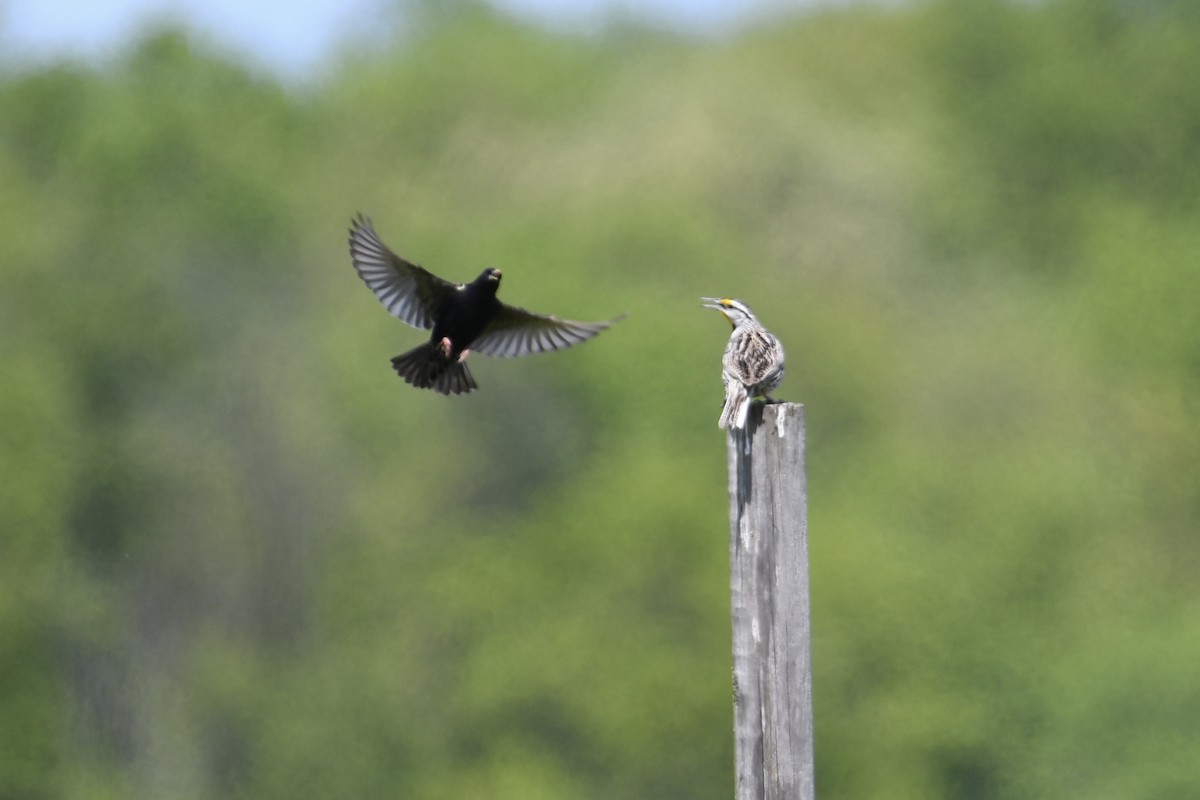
(465, 317)
(753, 362)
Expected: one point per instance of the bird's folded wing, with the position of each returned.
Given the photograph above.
(517, 332)
(407, 290)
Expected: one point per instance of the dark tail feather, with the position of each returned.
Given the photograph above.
(427, 368)
(455, 380)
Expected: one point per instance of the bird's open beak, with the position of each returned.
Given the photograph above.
(718, 304)
(495, 274)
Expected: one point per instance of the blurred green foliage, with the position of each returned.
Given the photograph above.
(241, 559)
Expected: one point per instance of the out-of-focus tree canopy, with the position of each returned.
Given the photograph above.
(240, 558)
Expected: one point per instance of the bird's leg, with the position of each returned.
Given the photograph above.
(446, 345)
(463, 355)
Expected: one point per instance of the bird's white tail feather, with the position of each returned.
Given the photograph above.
(737, 407)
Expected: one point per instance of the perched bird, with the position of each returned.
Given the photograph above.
(753, 363)
(464, 317)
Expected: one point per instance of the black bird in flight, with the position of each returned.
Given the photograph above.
(465, 317)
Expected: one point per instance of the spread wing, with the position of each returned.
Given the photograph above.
(407, 291)
(517, 332)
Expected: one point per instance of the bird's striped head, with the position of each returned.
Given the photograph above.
(735, 311)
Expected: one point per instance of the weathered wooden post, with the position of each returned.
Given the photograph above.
(768, 554)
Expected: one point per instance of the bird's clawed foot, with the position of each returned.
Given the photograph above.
(446, 345)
